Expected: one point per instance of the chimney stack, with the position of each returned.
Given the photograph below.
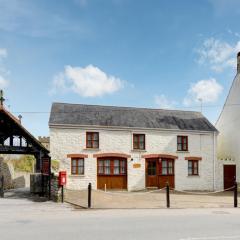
(238, 63)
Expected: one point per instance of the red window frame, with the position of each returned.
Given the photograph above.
(79, 168)
(191, 170)
(101, 168)
(92, 139)
(137, 141)
(170, 170)
(182, 143)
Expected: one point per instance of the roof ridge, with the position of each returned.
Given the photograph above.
(125, 107)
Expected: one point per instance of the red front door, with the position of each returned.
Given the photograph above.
(166, 173)
(229, 174)
(159, 172)
(151, 173)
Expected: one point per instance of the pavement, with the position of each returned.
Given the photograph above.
(150, 199)
(25, 219)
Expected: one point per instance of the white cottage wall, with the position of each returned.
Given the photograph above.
(66, 141)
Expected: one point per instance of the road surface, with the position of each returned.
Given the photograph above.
(24, 219)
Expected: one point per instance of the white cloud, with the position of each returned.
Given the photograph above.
(31, 18)
(3, 53)
(207, 91)
(225, 7)
(87, 82)
(81, 3)
(3, 82)
(218, 54)
(3, 72)
(162, 102)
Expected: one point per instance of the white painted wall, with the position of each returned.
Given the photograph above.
(228, 125)
(72, 141)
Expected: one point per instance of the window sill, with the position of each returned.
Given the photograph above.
(138, 150)
(182, 151)
(76, 176)
(193, 175)
(91, 149)
(111, 175)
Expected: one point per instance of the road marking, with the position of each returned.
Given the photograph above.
(211, 238)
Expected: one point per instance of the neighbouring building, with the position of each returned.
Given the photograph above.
(45, 141)
(228, 139)
(133, 148)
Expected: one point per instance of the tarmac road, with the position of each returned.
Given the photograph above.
(23, 219)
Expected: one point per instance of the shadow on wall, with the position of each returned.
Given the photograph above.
(12, 178)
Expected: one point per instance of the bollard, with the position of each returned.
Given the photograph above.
(89, 195)
(167, 195)
(235, 194)
(62, 188)
(2, 187)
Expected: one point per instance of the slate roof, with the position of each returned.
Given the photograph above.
(130, 117)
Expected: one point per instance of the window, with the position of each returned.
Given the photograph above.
(167, 167)
(92, 139)
(112, 167)
(77, 166)
(139, 141)
(152, 165)
(182, 143)
(192, 167)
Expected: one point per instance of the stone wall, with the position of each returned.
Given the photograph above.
(55, 190)
(66, 141)
(12, 178)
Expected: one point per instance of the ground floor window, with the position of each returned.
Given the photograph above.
(167, 167)
(193, 167)
(77, 166)
(112, 167)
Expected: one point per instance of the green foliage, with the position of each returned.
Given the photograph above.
(24, 163)
(55, 165)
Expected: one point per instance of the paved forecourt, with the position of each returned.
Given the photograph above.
(152, 199)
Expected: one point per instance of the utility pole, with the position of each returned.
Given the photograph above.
(201, 103)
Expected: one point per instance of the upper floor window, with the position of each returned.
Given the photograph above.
(193, 167)
(77, 166)
(182, 143)
(139, 141)
(92, 139)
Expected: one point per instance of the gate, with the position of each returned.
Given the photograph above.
(15, 139)
(229, 175)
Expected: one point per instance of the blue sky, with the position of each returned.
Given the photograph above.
(156, 53)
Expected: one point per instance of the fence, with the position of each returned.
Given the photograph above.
(160, 198)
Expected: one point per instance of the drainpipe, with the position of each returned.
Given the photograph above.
(214, 161)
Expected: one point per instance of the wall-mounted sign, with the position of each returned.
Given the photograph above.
(136, 165)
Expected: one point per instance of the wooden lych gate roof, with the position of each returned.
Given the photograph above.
(15, 139)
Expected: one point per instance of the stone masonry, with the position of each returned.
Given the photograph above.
(66, 141)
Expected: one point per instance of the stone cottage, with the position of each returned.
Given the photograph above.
(133, 148)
